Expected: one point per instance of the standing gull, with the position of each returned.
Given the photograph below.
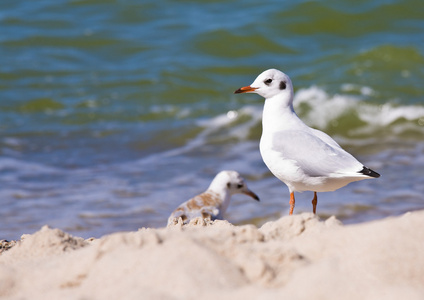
(305, 159)
(212, 203)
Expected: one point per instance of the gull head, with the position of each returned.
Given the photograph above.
(268, 84)
(233, 182)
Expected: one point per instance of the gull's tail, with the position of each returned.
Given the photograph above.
(368, 172)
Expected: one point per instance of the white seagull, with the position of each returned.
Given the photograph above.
(212, 203)
(304, 158)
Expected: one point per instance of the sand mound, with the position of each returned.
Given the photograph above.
(295, 257)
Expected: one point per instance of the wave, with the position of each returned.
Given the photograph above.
(348, 117)
(324, 109)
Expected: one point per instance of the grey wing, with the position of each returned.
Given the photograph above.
(313, 155)
(325, 137)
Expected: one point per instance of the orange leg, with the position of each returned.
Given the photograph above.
(291, 203)
(314, 203)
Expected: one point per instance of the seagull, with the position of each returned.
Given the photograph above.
(304, 158)
(212, 203)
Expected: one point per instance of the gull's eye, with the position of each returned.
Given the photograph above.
(239, 186)
(268, 81)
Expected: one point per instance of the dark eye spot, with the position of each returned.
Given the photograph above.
(282, 85)
(268, 81)
(228, 185)
(239, 186)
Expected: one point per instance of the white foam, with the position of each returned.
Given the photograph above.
(323, 108)
(388, 113)
(363, 90)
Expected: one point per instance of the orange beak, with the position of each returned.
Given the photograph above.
(245, 89)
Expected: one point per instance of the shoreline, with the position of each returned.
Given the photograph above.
(296, 256)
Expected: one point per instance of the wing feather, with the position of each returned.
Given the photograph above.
(313, 155)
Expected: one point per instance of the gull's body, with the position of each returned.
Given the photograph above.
(305, 159)
(212, 203)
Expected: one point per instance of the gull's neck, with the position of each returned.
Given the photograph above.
(278, 114)
(222, 192)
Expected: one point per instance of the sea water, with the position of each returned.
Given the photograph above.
(112, 113)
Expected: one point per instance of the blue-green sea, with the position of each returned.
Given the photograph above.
(114, 112)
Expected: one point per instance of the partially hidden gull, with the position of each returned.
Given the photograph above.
(212, 203)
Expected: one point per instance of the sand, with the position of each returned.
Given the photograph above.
(298, 257)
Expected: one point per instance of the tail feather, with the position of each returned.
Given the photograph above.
(369, 172)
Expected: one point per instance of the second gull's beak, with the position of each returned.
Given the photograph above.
(251, 194)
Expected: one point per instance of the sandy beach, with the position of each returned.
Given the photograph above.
(298, 257)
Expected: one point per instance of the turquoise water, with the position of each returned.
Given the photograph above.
(114, 112)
